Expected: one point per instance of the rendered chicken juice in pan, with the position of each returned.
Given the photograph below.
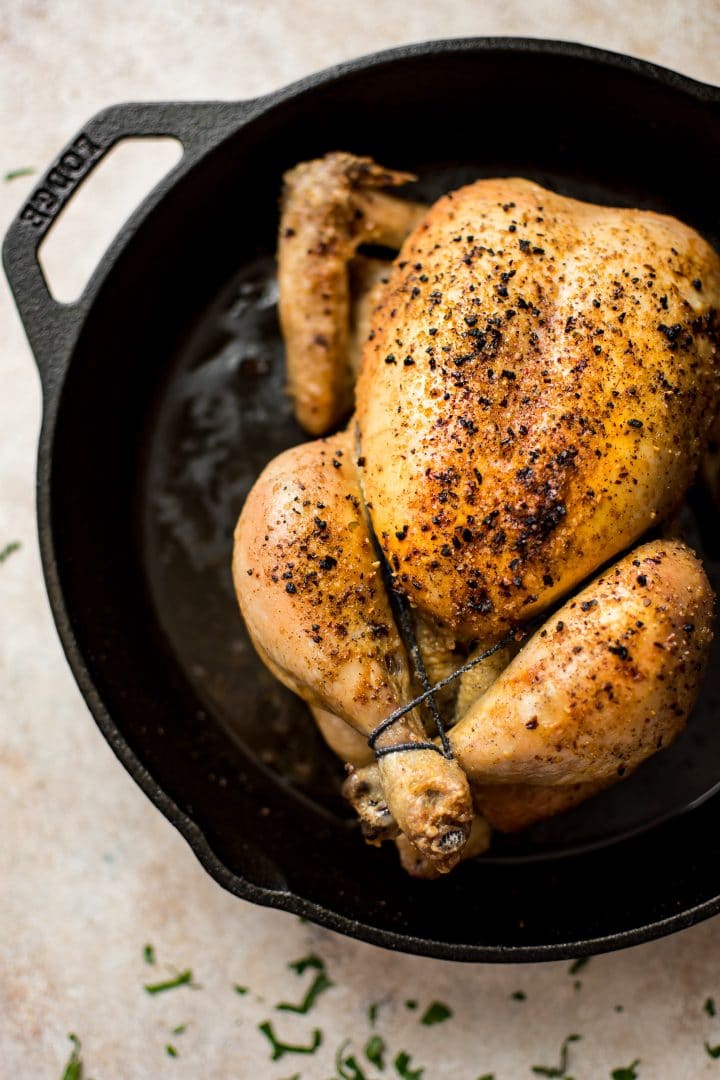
(537, 379)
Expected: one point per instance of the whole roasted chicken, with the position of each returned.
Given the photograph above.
(537, 381)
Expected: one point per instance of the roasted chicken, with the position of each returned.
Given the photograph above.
(537, 385)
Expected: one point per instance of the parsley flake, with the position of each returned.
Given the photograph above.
(171, 1051)
(372, 1012)
(411, 1004)
(319, 984)
(709, 1007)
(560, 1070)
(279, 1049)
(180, 1029)
(74, 1067)
(9, 550)
(402, 1067)
(183, 979)
(374, 1050)
(487, 1076)
(15, 174)
(436, 1013)
(519, 995)
(347, 1065)
(312, 960)
(626, 1073)
(713, 1051)
(149, 954)
(579, 964)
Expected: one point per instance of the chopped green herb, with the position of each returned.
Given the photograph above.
(579, 964)
(713, 1051)
(15, 174)
(240, 989)
(626, 1073)
(487, 1076)
(74, 1067)
(183, 979)
(373, 1011)
(149, 954)
(180, 1029)
(519, 995)
(619, 1008)
(319, 984)
(9, 549)
(402, 1066)
(411, 1004)
(374, 1050)
(557, 1070)
(435, 1013)
(295, 1076)
(310, 961)
(279, 1049)
(577, 985)
(709, 1007)
(170, 1050)
(347, 1065)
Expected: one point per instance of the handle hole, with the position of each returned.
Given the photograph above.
(85, 228)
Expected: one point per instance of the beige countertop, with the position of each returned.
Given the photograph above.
(89, 871)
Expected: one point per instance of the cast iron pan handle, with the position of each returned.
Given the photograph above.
(52, 327)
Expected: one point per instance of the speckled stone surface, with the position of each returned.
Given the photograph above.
(89, 870)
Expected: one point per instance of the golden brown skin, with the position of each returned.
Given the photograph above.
(309, 586)
(537, 393)
(608, 680)
(474, 683)
(329, 207)
(349, 745)
(511, 807)
(367, 278)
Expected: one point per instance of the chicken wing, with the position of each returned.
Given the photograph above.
(329, 208)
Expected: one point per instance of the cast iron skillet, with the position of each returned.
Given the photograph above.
(163, 399)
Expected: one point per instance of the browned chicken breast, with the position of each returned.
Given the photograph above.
(538, 392)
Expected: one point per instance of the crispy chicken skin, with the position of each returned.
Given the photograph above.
(537, 386)
(538, 391)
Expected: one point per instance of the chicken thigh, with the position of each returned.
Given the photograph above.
(536, 389)
(311, 590)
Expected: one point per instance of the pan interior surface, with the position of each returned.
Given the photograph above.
(183, 362)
